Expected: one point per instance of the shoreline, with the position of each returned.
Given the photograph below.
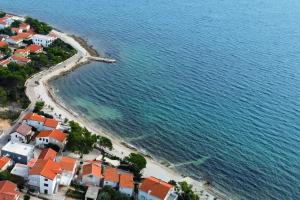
(43, 91)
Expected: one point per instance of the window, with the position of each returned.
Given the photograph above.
(46, 184)
(40, 138)
(46, 140)
(45, 179)
(46, 191)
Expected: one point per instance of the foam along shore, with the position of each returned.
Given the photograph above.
(38, 89)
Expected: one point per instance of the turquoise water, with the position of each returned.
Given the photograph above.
(211, 86)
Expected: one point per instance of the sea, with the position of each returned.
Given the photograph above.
(212, 87)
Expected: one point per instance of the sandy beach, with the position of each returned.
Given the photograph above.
(37, 88)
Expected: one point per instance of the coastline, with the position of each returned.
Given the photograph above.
(43, 91)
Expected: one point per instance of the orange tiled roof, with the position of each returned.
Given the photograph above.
(67, 163)
(35, 117)
(3, 161)
(157, 187)
(24, 35)
(32, 162)
(8, 191)
(34, 48)
(45, 168)
(22, 51)
(3, 44)
(23, 26)
(52, 123)
(20, 58)
(111, 174)
(91, 169)
(126, 180)
(4, 62)
(17, 38)
(47, 153)
(56, 134)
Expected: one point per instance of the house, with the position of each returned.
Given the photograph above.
(55, 136)
(26, 36)
(91, 174)
(40, 122)
(20, 170)
(19, 60)
(43, 40)
(47, 153)
(15, 40)
(22, 134)
(22, 52)
(50, 124)
(45, 176)
(111, 177)
(34, 48)
(5, 21)
(16, 30)
(4, 62)
(8, 191)
(126, 184)
(153, 189)
(3, 44)
(24, 27)
(68, 166)
(91, 193)
(5, 162)
(18, 152)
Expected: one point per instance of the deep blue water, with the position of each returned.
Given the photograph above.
(216, 82)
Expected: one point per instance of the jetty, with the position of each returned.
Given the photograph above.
(101, 59)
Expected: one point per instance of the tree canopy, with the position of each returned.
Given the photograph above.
(39, 105)
(108, 193)
(2, 14)
(80, 139)
(16, 23)
(39, 27)
(137, 163)
(6, 31)
(185, 191)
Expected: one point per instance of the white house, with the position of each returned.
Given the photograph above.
(91, 174)
(55, 136)
(43, 40)
(68, 166)
(5, 162)
(156, 189)
(111, 177)
(22, 134)
(126, 184)
(40, 122)
(45, 176)
(35, 120)
(18, 152)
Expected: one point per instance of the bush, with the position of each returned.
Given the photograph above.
(26, 197)
(39, 105)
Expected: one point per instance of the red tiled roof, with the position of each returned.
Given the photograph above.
(24, 129)
(23, 26)
(22, 51)
(157, 187)
(34, 48)
(20, 58)
(4, 62)
(45, 168)
(25, 35)
(126, 181)
(67, 163)
(32, 162)
(3, 44)
(3, 161)
(91, 169)
(52, 123)
(16, 30)
(35, 117)
(56, 134)
(8, 191)
(16, 38)
(111, 174)
(47, 154)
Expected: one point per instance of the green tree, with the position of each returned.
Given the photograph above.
(185, 191)
(137, 163)
(104, 196)
(3, 96)
(2, 14)
(16, 23)
(7, 31)
(39, 27)
(104, 143)
(39, 105)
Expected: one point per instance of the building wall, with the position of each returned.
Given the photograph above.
(34, 180)
(45, 42)
(17, 137)
(47, 184)
(91, 180)
(109, 183)
(41, 141)
(145, 196)
(127, 191)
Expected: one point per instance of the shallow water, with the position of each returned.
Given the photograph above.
(211, 86)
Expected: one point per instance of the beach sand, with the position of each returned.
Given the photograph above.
(37, 88)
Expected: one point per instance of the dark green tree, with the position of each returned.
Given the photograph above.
(16, 23)
(104, 143)
(137, 163)
(185, 191)
(39, 105)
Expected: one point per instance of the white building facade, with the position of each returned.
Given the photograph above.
(43, 40)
